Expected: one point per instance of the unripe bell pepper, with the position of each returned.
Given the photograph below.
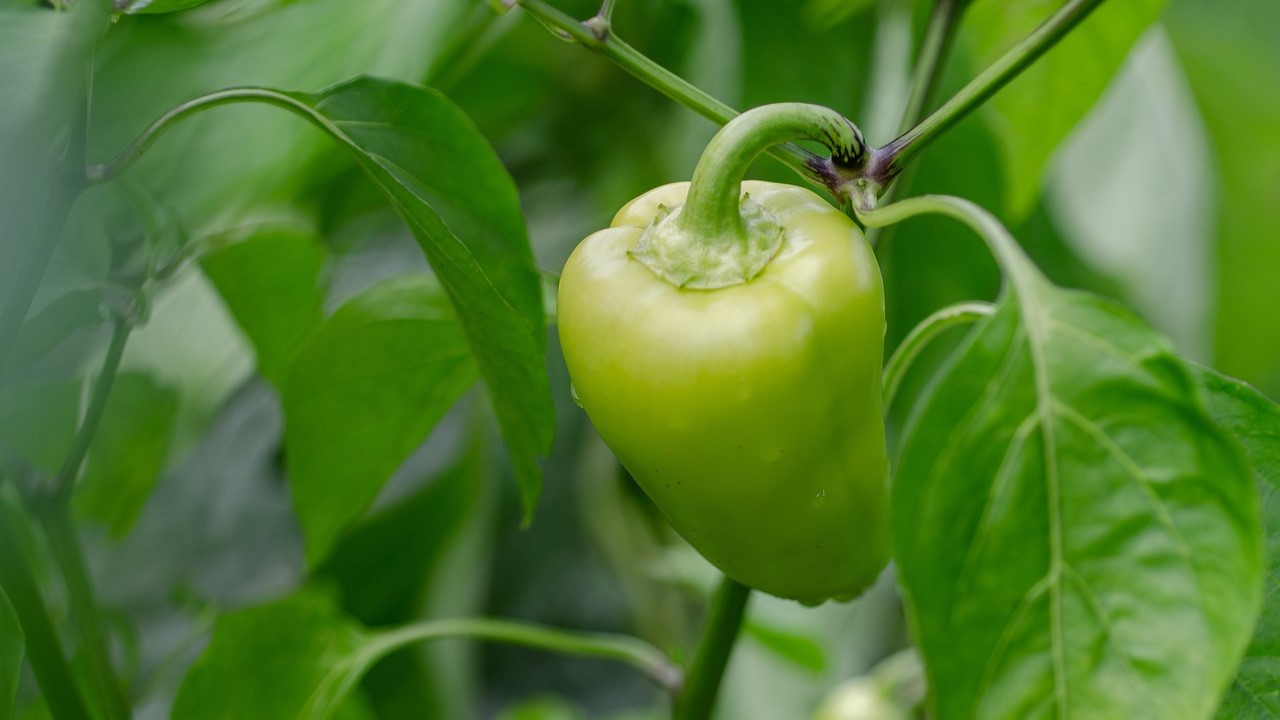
(743, 395)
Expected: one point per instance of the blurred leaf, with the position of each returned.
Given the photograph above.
(1255, 422)
(12, 644)
(1071, 529)
(43, 60)
(800, 650)
(128, 453)
(542, 708)
(1230, 55)
(362, 393)
(294, 658)
(779, 53)
(463, 208)
(190, 343)
(53, 324)
(37, 422)
(214, 170)
(272, 282)
(410, 539)
(1031, 116)
(413, 541)
(825, 13)
(155, 7)
(1135, 210)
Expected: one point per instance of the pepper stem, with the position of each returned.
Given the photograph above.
(719, 238)
(712, 207)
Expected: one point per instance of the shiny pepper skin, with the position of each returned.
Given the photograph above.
(750, 414)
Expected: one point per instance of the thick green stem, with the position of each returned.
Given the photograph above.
(920, 337)
(623, 648)
(43, 647)
(52, 510)
(61, 532)
(597, 35)
(703, 680)
(712, 208)
(892, 158)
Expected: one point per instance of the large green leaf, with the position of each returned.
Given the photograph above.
(129, 452)
(1076, 538)
(1255, 422)
(462, 207)
(294, 658)
(272, 282)
(362, 394)
(12, 644)
(1035, 112)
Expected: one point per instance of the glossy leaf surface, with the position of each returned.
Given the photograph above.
(1060, 495)
(362, 394)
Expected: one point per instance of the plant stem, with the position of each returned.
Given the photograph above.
(1021, 273)
(934, 49)
(597, 35)
(920, 337)
(630, 650)
(712, 656)
(126, 157)
(892, 158)
(61, 532)
(43, 647)
(65, 481)
(52, 510)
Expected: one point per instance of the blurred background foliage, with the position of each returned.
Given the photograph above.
(1156, 182)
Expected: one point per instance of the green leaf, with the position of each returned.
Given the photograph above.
(417, 542)
(363, 392)
(1035, 112)
(547, 707)
(12, 644)
(1136, 211)
(1254, 421)
(462, 207)
(272, 282)
(1076, 538)
(45, 330)
(155, 7)
(128, 453)
(294, 658)
(217, 169)
(1230, 56)
(38, 421)
(798, 649)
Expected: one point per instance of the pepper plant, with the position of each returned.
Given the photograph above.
(299, 398)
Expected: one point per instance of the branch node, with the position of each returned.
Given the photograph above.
(599, 26)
